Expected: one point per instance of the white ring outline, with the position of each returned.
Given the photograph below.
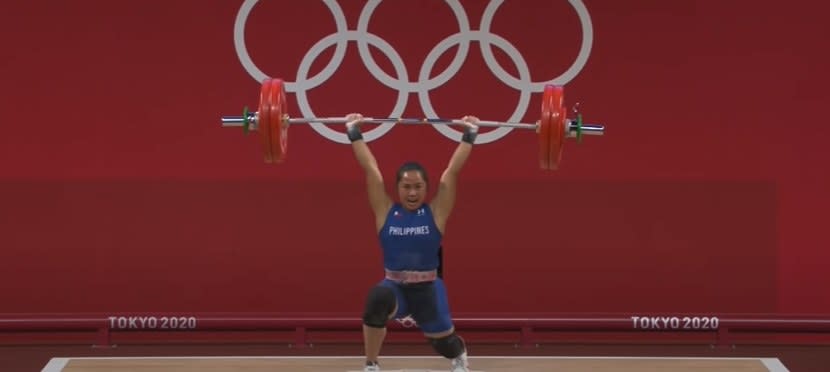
(524, 97)
(326, 130)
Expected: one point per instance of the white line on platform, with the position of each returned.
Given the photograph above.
(57, 364)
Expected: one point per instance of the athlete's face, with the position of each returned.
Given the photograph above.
(412, 189)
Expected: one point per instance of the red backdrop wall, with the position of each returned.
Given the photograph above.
(120, 191)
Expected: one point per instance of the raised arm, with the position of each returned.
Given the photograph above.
(378, 198)
(444, 200)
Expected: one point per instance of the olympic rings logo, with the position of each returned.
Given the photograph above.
(424, 84)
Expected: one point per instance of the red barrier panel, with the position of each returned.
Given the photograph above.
(120, 191)
(722, 328)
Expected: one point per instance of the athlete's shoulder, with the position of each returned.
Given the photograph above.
(425, 209)
(394, 209)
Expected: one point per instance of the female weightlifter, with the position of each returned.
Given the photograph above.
(410, 233)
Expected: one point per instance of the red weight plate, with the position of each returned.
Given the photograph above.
(264, 119)
(279, 124)
(556, 152)
(544, 129)
(558, 124)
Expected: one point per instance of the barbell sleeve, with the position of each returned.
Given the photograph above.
(587, 129)
(237, 121)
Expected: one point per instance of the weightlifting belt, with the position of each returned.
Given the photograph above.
(407, 277)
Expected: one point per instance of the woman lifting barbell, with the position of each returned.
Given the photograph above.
(410, 233)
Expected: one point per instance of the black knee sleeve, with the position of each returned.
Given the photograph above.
(450, 346)
(380, 303)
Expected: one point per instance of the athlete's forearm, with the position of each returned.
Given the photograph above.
(364, 156)
(459, 158)
(462, 152)
(359, 146)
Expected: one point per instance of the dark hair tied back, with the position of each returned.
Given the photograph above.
(412, 166)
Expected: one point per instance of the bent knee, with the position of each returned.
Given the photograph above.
(380, 307)
(449, 346)
(436, 335)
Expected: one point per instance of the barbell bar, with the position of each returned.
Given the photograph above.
(252, 122)
(271, 120)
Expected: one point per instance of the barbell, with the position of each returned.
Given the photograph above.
(271, 120)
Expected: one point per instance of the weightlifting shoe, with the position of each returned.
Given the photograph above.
(460, 364)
